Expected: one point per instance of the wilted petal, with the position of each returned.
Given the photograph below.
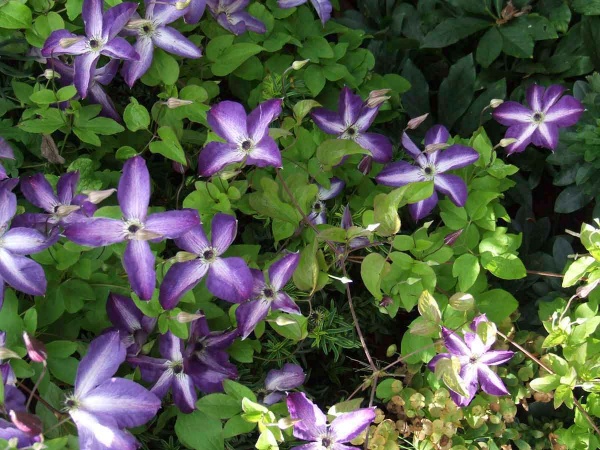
(282, 270)
(126, 402)
(174, 42)
(522, 133)
(105, 354)
(312, 424)
(512, 113)
(546, 136)
(260, 118)
(116, 18)
(378, 144)
(534, 96)
(347, 426)
(85, 64)
(229, 279)
(551, 96)
(38, 191)
(95, 434)
(323, 8)
(438, 134)
(455, 157)
(565, 112)
(25, 241)
(172, 224)
(194, 241)
(424, 207)
(265, 153)
(184, 393)
(22, 273)
(138, 261)
(180, 278)
(289, 377)
(495, 357)
(249, 314)
(453, 186)
(96, 232)
(454, 344)
(328, 121)
(399, 174)
(228, 120)
(134, 189)
(490, 381)
(272, 398)
(216, 155)
(134, 69)
(336, 186)
(349, 106)
(224, 229)
(123, 313)
(91, 14)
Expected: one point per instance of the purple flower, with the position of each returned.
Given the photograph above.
(475, 358)
(247, 137)
(279, 381)
(129, 321)
(323, 7)
(227, 278)
(171, 372)
(267, 295)
(101, 38)
(102, 406)
(102, 76)
(318, 214)
(10, 431)
(153, 31)
(432, 163)
(548, 111)
(351, 121)
(347, 223)
(231, 15)
(21, 273)
(207, 359)
(6, 152)
(194, 11)
(14, 399)
(137, 228)
(312, 424)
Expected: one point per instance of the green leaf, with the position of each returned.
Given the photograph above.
(314, 79)
(331, 152)
(237, 426)
(372, 270)
(233, 57)
(296, 327)
(453, 30)
(516, 39)
(136, 116)
(238, 391)
(306, 275)
(15, 16)
(164, 69)
(466, 268)
(428, 308)
(43, 97)
(577, 270)
(220, 406)
(571, 199)
(497, 304)
(489, 48)
(66, 93)
(456, 91)
(419, 347)
(448, 370)
(303, 107)
(169, 147)
(587, 7)
(507, 266)
(199, 431)
(545, 384)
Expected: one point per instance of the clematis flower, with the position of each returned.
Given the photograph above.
(101, 38)
(194, 11)
(152, 31)
(268, 295)
(137, 227)
(352, 120)
(280, 381)
(431, 165)
(227, 278)
(21, 273)
(133, 326)
(323, 7)
(102, 77)
(247, 137)
(102, 406)
(24, 440)
(14, 399)
(548, 111)
(312, 424)
(318, 214)
(231, 15)
(475, 358)
(6, 152)
(207, 358)
(347, 223)
(171, 372)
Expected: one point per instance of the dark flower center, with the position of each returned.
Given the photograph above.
(537, 116)
(317, 206)
(208, 255)
(94, 43)
(70, 403)
(246, 145)
(55, 209)
(133, 228)
(146, 29)
(326, 442)
(177, 369)
(428, 170)
(351, 131)
(268, 292)
(199, 347)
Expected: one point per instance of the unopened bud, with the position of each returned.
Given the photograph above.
(452, 237)
(496, 102)
(147, 235)
(182, 5)
(27, 423)
(372, 227)
(185, 317)
(6, 353)
(185, 256)
(67, 42)
(178, 167)
(227, 174)
(137, 24)
(377, 97)
(462, 302)
(391, 350)
(584, 291)
(96, 197)
(50, 74)
(65, 210)
(432, 148)
(173, 103)
(283, 321)
(414, 123)
(365, 164)
(297, 65)
(386, 301)
(35, 348)
(287, 422)
(506, 142)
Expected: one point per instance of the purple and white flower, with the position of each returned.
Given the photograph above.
(318, 213)
(136, 227)
(194, 11)
(130, 322)
(268, 294)
(548, 111)
(278, 382)
(475, 358)
(6, 152)
(351, 121)
(227, 278)
(323, 7)
(101, 406)
(312, 424)
(101, 38)
(232, 15)
(431, 166)
(247, 137)
(152, 31)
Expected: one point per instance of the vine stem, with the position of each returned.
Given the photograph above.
(36, 385)
(551, 372)
(54, 411)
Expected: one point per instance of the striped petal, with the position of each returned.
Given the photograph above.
(453, 186)
(565, 112)
(399, 174)
(512, 113)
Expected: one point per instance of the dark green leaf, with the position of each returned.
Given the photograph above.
(453, 30)
(456, 91)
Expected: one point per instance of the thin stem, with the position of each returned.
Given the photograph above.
(54, 411)
(371, 399)
(36, 385)
(545, 274)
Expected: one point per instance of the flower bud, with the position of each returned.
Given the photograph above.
(182, 5)
(147, 235)
(185, 317)
(496, 102)
(432, 148)
(178, 167)
(452, 237)
(65, 210)
(506, 142)
(35, 348)
(27, 423)
(391, 350)
(365, 165)
(386, 301)
(377, 97)
(50, 74)
(96, 197)
(185, 256)
(67, 42)
(297, 65)
(283, 321)
(173, 103)
(414, 123)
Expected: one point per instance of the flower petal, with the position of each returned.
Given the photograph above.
(134, 69)
(95, 434)
(96, 232)
(249, 314)
(105, 354)
(534, 96)
(85, 64)
(490, 381)
(25, 241)
(399, 174)
(411, 147)
(38, 191)
(138, 261)
(284, 303)
(312, 421)
(282, 270)
(438, 134)
(194, 241)
(242, 20)
(123, 313)
(91, 14)
(107, 72)
(125, 401)
(119, 48)
(455, 157)
(170, 347)
(195, 11)
(378, 144)
(286, 4)
(512, 113)
(546, 136)
(366, 117)
(228, 120)
(184, 393)
(347, 426)
(336, 186)
(495, 357)
(453, 186)
(66, 187)
(8, 207)
(328, 121)
(229, 279)
(260, 118)
(96, 95)
(6, 150)
(53, 47)
(565, 112)
(115, 18)
(265, 153)
(22, 273)
(523, 135)
(172, 224)
(172, 41)
(551, 96)
(223, 231)
(349, 106)
(289, 377)
(423, 208)
(180, 278)
(216, 155)
(324, 8)
(134, 189)
(454, 344)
